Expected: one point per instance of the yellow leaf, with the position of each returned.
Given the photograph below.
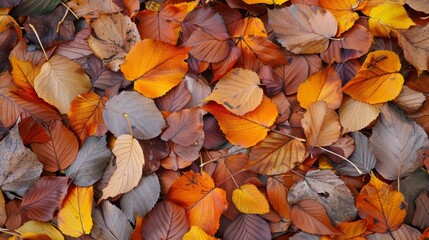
(74, 217)
(129, 166)
(276, 2)
(355, 115)
(155, 66)
(321, 125)
(86, 115)
(61, 80)
(23, 72)
(248, 199)
(324, 85)
(378, 80)
(386, 16)
(238, 91)
(344, 11)
(246, 130)
(196, 233)
(34, 227)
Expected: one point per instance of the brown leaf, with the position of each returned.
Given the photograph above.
(175, 99)
(93, 8)
(310, 216)
(184, 127)
(60, 151)
(421, 217)
(44, 198)
(415, 43)
(248, 226)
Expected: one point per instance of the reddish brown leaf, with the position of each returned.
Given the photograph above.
(248, 226)
(44, 198)
(32, 132)
(184, 127)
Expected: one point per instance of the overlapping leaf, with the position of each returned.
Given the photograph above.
(248, 199)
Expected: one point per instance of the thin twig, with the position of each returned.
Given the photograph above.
(40, 42)
(345, 159)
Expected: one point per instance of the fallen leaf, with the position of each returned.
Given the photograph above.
(355, 115)
(352, 230)
(248, 199)
(238, 91)
(74, 217)
(167, 220)
(197, 233)
(208, 47)
(86, 115)
(321, 125)
(149, 64)
(133, 110)
(421, 217)
(388, 16)
(204, 203)
(44, 198)
(414, 42)
(113, 37)
(101, 76)
(184, 127)
(141, 199)
(310, 216)
(344, 12)
(277, 191)
(129, 166)
(253, 125)
(378, 80)
(90, 162)
(39, 229)
(276, 154)
(382, 206)
(93, 8)
(248, 226)
(324, 85)
(409, 100)
(327, 189)
(60, 151)
(418, 5)
(175, 99)
(395, 141)
(61, 80)
(19, 167)
(110, 222)
(308, 28)
(2, 210)
(33, 7)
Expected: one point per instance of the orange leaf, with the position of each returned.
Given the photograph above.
(246, 130)
(86, 115)
(378, 79)
(23, 73)
(352, 230)
(382, 206)
(310, 216)
(343, 11)
(203, 202)
(238, 91)
(150, 62)
(137, 233)
(276, 154)
(324, 85)
(248, 199)
(74, 218)
(321, 125)
(277, 191)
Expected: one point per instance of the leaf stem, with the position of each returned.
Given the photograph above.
(288, 135)
(5, 230)
(40, 42)
(129, 124)
(336, 39)
(68, 8)
(345, 159)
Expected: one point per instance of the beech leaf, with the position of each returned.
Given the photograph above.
(110, 222)
(248, 226)
(248, 199)
(184, 127)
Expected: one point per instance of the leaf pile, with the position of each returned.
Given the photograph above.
(217, 119)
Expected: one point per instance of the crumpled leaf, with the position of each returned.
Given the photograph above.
(248, 199)
(110, 222)
(324, 85)
(331, 192)
(321, 125)
(113, 36)
(60, 151)
(303, 29)
(74, 217)
(167, 220)
(238, 91)
(253, 125)
(362, 157)
(204, 203)
(141, 112)
(44, 198)
(19, 167)
(149, 64)
(310, 216)
(248, 226)
(415, 43)
(395, 141)
(378, 80)
(129, 166)
(61, 80)
(382, 206)
(90, 162)
(141, 199)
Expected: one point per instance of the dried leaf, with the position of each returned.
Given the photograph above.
(44, 198)
(40, 228)
(421, 218)
(414, 41)
(395, 141)
(142, 198)
(184, 127)
(110, 222)
(344, 12)
(308, 28)
(383, 207)
(74, 217)
(355, 115)
(93, 8)
(404, 232)
(248, 226)
(196, 233)
(248, 199)
(409, 100)
(386, 16)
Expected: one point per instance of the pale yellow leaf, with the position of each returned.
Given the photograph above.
(355, 115)
(35, 227)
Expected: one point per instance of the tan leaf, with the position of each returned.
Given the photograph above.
(355, 115)
(415, 42)
(409, 100)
